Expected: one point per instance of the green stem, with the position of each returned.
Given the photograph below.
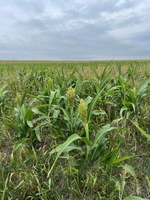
(87, 136)
(86, 130)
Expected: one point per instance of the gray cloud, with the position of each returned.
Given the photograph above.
(74, 29)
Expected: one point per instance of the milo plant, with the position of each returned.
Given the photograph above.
(98, 148)
(70, 115)
(128, 98)
(22, 124)
(97, 144)
(61, 81)
(135, 96)
(83, 111)
(85, 114)
(22, 121)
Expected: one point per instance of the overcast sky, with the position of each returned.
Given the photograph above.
(74, 29)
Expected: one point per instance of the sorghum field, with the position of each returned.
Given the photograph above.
(75, 130)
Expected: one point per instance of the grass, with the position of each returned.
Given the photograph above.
(75, 130)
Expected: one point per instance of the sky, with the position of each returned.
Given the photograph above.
(74, 29)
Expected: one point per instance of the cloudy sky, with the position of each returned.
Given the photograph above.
(74, 29)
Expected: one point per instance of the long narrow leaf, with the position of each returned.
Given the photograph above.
(61, 148)
(142, 131)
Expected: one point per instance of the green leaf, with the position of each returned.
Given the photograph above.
(72, 147)
(88, 100)
(118, 160)
(102, 132)
(92, 105)
(116, 121)
(38, 135)
(20, 143)
(142, 131)
(99, 139)
(122, 110)
(36, 111)
(29, 123)
(52, 96)
(62, 148)
(56, 113)
(99, 112)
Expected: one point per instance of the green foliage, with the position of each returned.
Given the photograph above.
(65, 147)
(75, 130)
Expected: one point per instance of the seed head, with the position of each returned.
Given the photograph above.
(82, 108)
(70, 96)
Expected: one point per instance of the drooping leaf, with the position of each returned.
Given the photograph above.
(101, 133)
(99, 112)
(29, 123)
(62, 148)
(142, 131)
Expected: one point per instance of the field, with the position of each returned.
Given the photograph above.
(75, 130)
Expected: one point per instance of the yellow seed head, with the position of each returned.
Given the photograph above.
(70, 96)
(82, 108)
